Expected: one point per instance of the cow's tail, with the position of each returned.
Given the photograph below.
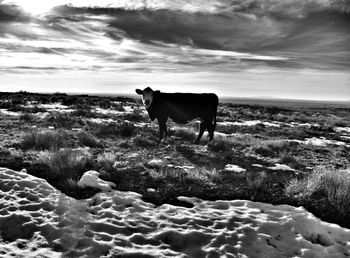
(214, 120)
(215, 112)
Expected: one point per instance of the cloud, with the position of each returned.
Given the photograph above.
(10, 13)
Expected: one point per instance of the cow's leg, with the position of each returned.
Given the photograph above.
(210, 128)
(162, 128)
(201, 131)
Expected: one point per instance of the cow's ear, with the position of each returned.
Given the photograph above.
(138, 91)
(156, 92)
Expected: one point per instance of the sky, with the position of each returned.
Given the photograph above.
(295, 49)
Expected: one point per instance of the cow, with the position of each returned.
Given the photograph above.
(181, 108)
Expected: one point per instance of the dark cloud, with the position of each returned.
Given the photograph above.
(10, 13)
(247, 26)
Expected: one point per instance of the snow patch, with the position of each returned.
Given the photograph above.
(320, 142)
(234, 168)
(56, 107)
(101, 120)
(342, 129)
(91, 179)
(251, 123)
(9, 113)
(323, 142)
(110, 111)
(156, 163)
(281, 167)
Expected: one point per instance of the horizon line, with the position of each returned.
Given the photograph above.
(224, 98)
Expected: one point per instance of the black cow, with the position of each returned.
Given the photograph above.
(181, 108)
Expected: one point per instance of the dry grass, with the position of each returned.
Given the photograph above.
(67, 163)
(144, 141)
(332, 185)
(125, 129)
(87, 139)
(271, 148)
(106, 161)
(47, 140)
(185, 133)
(220, 145)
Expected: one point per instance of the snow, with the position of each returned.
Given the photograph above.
(156, 163)
(304, 124)
(101, 120)
(234, 168)
(91, 179)
(268, 124)
(110, 111)
(320, 142)
(342, 129)
(56, 107)
(36, 220)
(281, 167)
(251, 123)
(9, 113)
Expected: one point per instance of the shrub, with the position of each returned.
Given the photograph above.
(26, 117)
(70, 100)
(135, 116)
(87, 139)
(118, 106)
(185, 133)
(106, 161)
(104, 130)
(111, 162)
(323, 184)
(145, 142)
(124, 129)
(220, 145)
(271, 148)
(61, 120)
(81, 112)
(105, 103)
(287, 158)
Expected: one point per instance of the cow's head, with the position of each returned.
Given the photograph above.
(147, 96)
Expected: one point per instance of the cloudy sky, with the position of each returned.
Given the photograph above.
(237, 48)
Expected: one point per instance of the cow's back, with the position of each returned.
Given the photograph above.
(183, 107)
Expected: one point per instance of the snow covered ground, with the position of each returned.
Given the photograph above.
(9, 113)
(37, 220)
(320, 142)
(268, 124)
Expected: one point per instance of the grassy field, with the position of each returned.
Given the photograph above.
(271, 152)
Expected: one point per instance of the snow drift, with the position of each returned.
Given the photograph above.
(38, 220)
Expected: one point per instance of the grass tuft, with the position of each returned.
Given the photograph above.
(47, 140)
(87, 139)
(271, 148)
(219, 145)
(185, 133)
(323, 184)
(145, 142)
(124, 129)
(69, 163)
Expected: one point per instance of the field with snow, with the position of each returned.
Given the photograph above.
(84, 176)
